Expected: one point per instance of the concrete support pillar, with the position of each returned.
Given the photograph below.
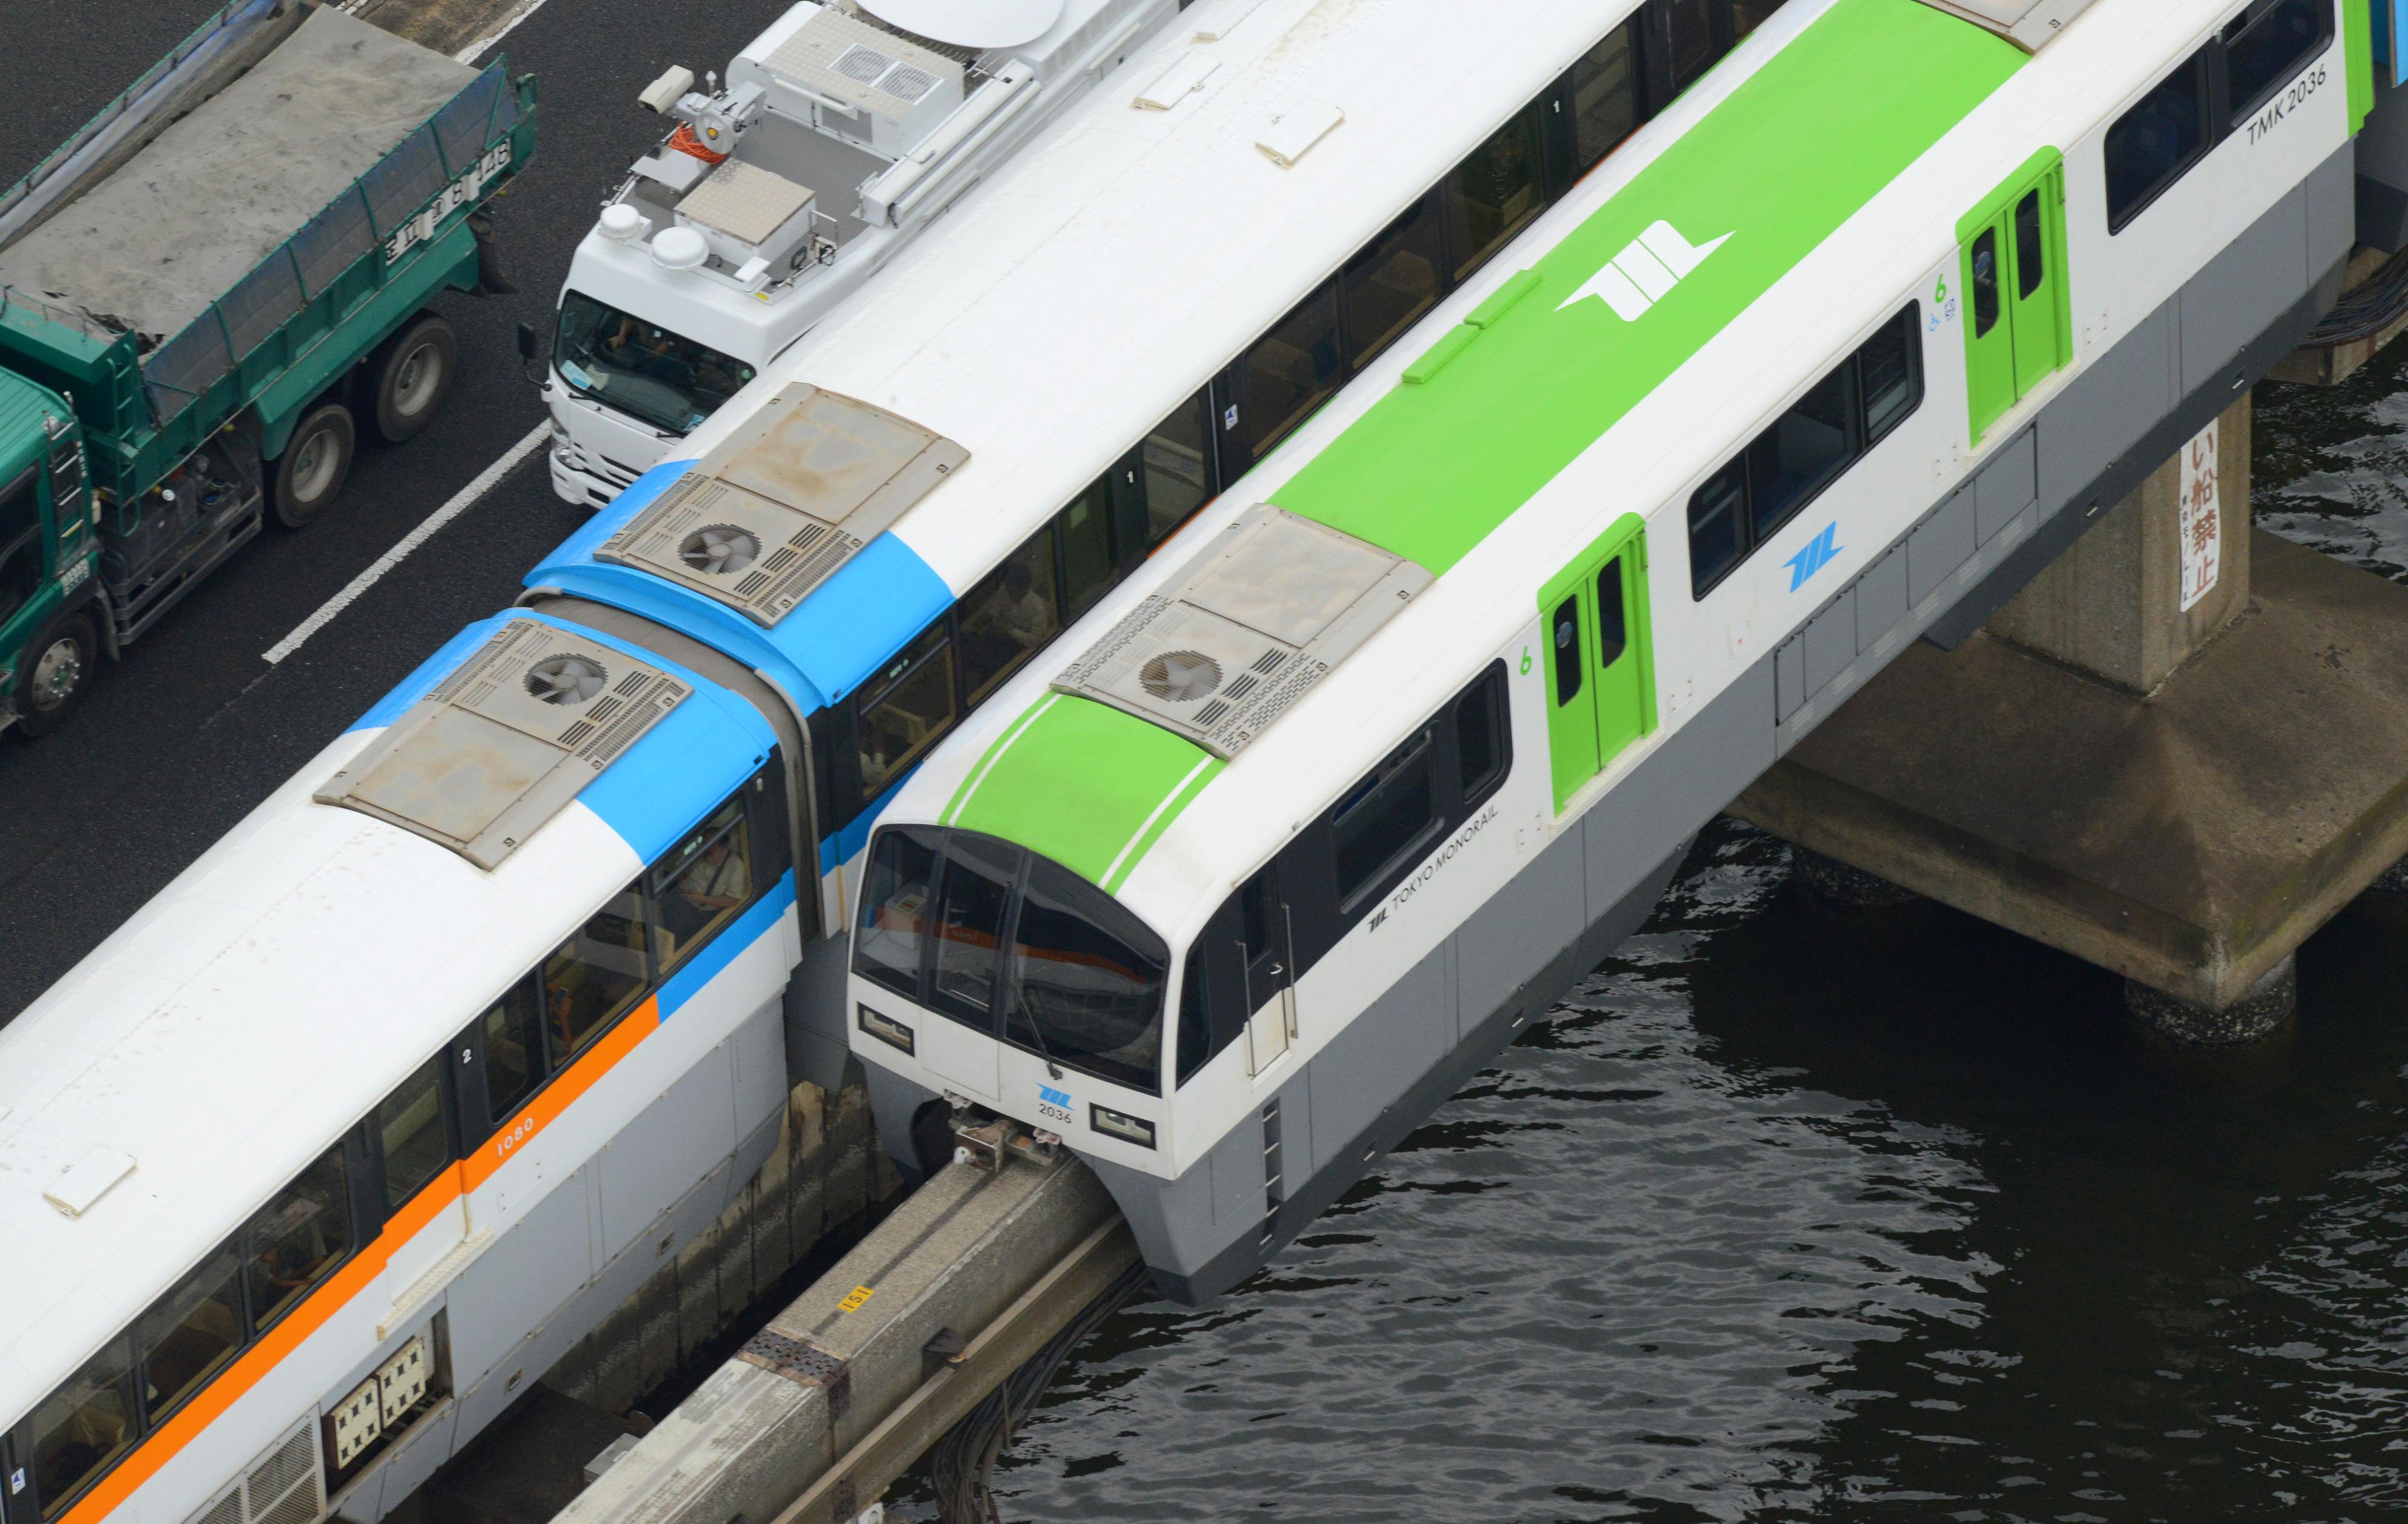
(2115, 606)
(2176, 776)
(2273, 1000)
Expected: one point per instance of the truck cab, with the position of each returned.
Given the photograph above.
(836, 137)
(48, 641)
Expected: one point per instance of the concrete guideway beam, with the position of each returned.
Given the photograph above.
(821, 1411)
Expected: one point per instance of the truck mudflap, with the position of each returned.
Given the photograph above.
(490, 280)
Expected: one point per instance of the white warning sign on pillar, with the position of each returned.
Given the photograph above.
(2201, 519)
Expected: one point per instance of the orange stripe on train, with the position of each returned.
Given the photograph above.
(165, 1443)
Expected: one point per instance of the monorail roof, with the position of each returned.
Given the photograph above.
(279, 988)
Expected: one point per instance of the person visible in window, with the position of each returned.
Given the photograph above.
(1022, 612)
(717, 883)
(646, 354)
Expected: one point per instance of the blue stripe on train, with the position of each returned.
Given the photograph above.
(842, 846)
(835, 641)
(654, 792)
(633, 499)
(722, 950)
(856, 621)
(423, 676)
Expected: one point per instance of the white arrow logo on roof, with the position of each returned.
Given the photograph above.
(1645, 273)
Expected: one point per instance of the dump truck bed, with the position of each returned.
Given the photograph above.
(174, 228)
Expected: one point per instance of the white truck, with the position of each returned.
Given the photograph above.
(840, 132)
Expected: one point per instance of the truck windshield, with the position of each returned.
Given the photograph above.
(641, 369)
(950, 917)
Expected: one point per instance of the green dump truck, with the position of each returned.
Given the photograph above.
(207, 294)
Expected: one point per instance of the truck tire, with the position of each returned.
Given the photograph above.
(315, 462)
(57, 673)
(414, 376)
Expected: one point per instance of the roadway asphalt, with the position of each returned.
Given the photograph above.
(177, 742)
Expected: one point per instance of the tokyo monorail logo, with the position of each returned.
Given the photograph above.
(1645, 272)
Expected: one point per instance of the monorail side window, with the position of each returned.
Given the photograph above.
(513, 1048)
(1605, 96)
(973, 903)
(1496, 188)
(1714, 511)
(1386, 817)
(1798, 457)
(1178, 457)
(595, 975)
(190, 1334)
(700, 884)
(1195, 1025)
(1747, 15)
(1823, 433)
(2267, 45)
(1088, 981)
(906, 708)
(82, 1428)
(1392, 282)
(2150, 145)
(1084, 530)
(895, 907)
(1890, 372)
(1289, 372)
(1689, 32)
(1483, 744)
(1008, 618)
(409, 1128)
(296, 1237)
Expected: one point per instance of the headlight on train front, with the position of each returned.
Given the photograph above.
(887, 1030)
(1117, 1124)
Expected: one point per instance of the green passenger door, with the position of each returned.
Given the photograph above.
(1600, 678)
(2019, 319)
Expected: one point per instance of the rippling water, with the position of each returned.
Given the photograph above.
(1786, 1214)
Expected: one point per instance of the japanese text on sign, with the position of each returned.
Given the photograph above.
(2201, 519)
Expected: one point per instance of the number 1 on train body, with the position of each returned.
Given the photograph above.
(2018, 321)
(1600, 660)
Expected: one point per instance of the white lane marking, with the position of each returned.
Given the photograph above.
(1168, 799)
(484, 483)
(468, 54)
(1010, 738)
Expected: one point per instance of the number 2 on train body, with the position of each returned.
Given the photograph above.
(1601, 679)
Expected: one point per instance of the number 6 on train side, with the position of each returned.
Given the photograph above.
(1600, 659)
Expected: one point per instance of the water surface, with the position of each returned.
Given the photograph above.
(1790, 1215)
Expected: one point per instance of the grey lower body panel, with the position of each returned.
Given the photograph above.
(2127, 414)
(1220, 1222)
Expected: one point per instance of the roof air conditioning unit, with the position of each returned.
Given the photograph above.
(1262, 613)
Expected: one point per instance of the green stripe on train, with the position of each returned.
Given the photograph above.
(1433, 469)
(1084, 784)
(1798, 148)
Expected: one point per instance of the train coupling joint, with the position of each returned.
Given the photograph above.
(986, 1141)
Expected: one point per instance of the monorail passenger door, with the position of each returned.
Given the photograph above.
(2017, 318)
(1600, 663)
(1265, 944)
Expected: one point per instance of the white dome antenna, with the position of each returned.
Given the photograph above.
(969, 23)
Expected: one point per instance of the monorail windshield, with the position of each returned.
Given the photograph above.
(1017, 946)
(641, 369)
